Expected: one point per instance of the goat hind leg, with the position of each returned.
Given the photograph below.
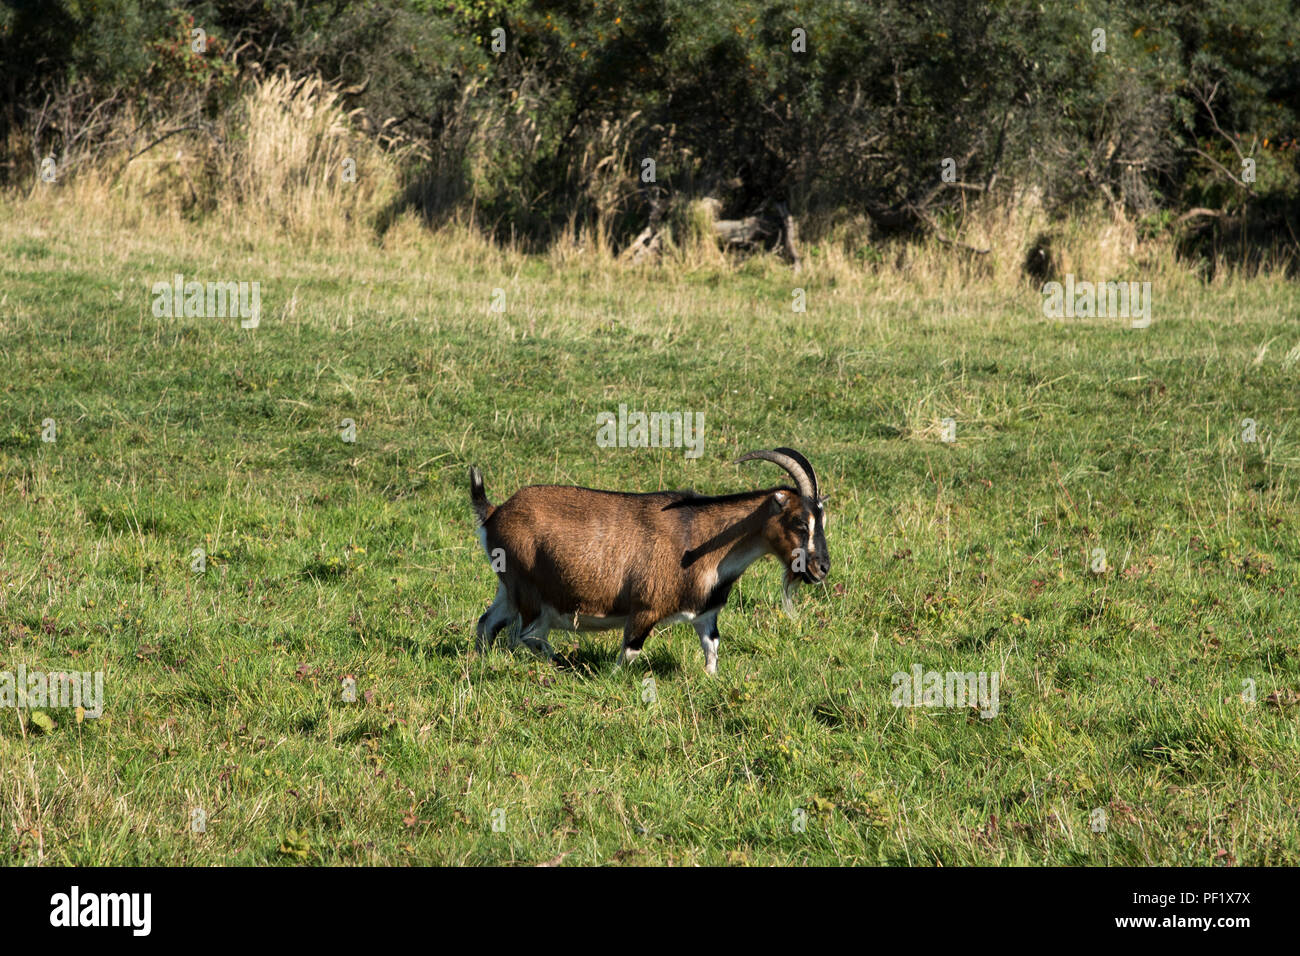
(500, 613)
(533, 636)
(635, 631)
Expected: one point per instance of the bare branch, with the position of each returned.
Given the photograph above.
(1207, 100)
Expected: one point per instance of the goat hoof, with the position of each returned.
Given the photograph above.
(540, 648)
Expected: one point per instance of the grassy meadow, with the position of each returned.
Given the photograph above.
(1126, 691)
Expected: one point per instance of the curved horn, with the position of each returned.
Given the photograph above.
(807, 466)
(802, 479)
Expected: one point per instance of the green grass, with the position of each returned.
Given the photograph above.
(1120, 691)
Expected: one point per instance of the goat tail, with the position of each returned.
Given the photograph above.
(478, 497)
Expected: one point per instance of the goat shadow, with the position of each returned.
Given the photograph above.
(588, 660)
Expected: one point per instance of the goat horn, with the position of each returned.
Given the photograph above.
(803, 479)
(807, 466)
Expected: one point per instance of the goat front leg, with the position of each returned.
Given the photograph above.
(706, 625)
(635, 631)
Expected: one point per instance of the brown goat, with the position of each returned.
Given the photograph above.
(576, 559)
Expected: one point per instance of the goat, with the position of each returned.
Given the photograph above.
(577, 559)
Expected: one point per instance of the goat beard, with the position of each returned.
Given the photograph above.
(789, 585)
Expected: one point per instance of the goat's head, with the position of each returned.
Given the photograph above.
(795, 528)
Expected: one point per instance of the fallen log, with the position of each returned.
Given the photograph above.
(741, 232)
(774, 221)
(770, 222)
